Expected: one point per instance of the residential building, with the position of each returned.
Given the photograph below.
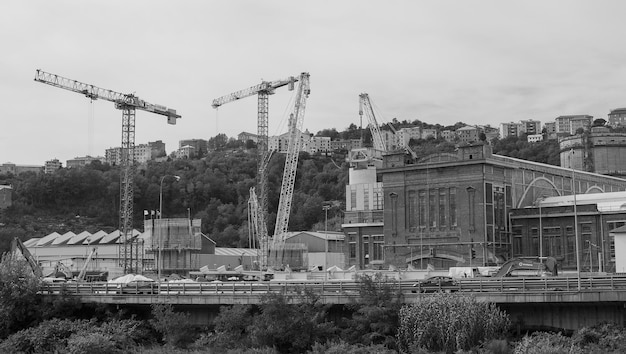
(142, 153)
(617, 117)
(429, 133)
(12, 168)
(345, 144)
(510, 129)
(199, 145)
(531, 127)
(550, 128)
(279, 143)
(319, 144)
(82, 161)
(533, 138)
(469, 134)
(600, 151)
(5, 196)
(186, 152)
(404, 135)
(567, 125)
(245, 136)
(52, 165)
(448, 135)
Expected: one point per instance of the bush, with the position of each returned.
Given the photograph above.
(547, 343)
(602, 338)
(342, 347)
(91, 343)
(173, 326)
(449, 323)
(48, 337)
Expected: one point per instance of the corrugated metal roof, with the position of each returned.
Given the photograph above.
(78, 239)
(63, 238)
(229, 251)
(46, 240)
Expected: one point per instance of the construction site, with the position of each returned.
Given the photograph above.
(176, 246)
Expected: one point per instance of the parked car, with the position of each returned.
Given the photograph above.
(436, 283)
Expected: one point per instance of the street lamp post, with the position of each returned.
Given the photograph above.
(575, 220)
(539, 200)
(325, 208)
(160, 244)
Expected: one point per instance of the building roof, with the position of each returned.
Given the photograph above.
(78, 239)
(330, 235)
(61, 240)
(5, 187)
(605, 201)
(229, 251)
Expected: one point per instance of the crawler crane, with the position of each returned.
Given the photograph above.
(128, 104)
(263, 91)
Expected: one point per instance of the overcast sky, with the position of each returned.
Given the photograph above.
(478, 62)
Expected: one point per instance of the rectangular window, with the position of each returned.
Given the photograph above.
(377, 252)
(452, 208)
(366, 249)
(352, 245)
(442, 208)
(353, 198)
(421, 204)
(378, 198)
(517, 246)
(366, 198)
(432, 208)
(412, 211)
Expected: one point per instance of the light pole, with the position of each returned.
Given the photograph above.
(325, 208)
(539, 200)
(160, 224)
(575, 219)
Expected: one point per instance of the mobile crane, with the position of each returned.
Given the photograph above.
(17, 244)
(289, 174)
(128, 104)
(263, 91)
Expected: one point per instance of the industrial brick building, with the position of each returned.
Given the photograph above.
(455, 209)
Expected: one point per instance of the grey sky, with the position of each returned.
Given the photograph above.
(479, 62)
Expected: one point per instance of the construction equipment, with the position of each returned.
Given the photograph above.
(61, 268)
(128, 104)
(83, 271)
(263, 90)
(537, 265)
(296, 121)
(380, 147)
(18, 244)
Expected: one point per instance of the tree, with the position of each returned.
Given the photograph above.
(375, 314)
(19, 302)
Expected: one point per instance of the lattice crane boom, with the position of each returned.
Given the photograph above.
(128, 104)
(291, 163)
(264, 87)
(365, 105)
(121, 100)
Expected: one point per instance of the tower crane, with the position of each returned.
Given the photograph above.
(289, 174)
(128, 104)
(263, 91)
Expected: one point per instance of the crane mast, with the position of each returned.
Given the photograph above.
(289, 174)
(263, 91)
(128, 104)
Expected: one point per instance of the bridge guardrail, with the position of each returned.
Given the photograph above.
(533, 285)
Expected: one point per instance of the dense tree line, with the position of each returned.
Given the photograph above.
(214, 188)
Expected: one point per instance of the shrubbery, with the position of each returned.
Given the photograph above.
(449, 323)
